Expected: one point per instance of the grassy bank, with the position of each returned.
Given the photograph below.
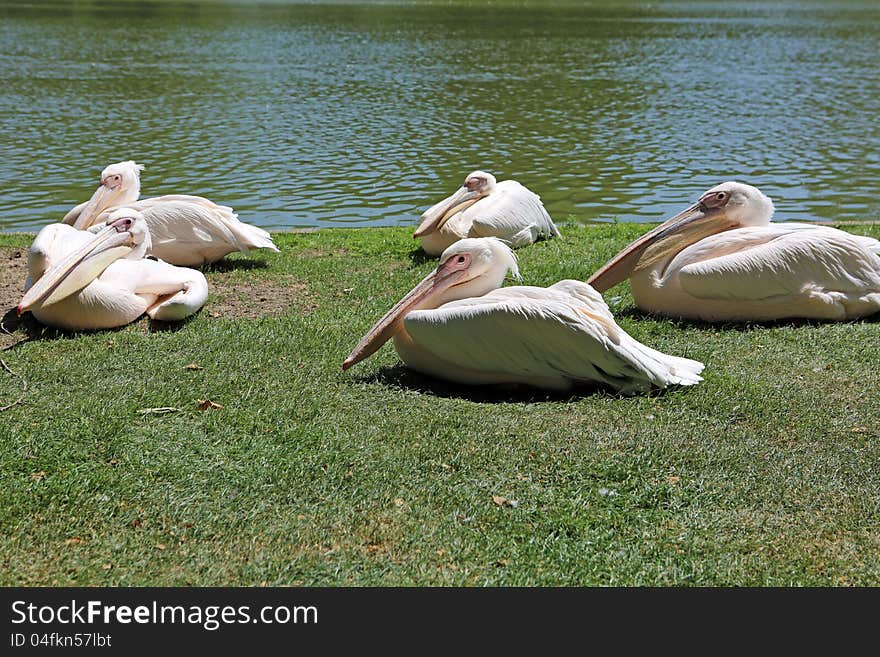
(767, 473)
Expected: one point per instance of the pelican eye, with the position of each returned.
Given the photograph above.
(720, 196)
(460, 258)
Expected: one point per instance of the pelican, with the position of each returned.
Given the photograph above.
(458, 325)
(483, 207)
(185, 230)
(722, 260)
(79, 280)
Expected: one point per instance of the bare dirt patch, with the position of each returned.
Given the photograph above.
(257, 298)
(248, 299)
(13, 271)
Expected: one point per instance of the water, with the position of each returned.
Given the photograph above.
(302, 115)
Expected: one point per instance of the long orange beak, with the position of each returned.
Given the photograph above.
(438, 214)
(103, 198)
(621, 266)
(445, 276)
(78, 269)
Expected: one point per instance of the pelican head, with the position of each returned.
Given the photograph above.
(125, 235)
(724, 207)
(133, 222)
(471, 267)
(120, 184)
(477, 185)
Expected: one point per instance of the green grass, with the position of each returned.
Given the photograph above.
(765, 474)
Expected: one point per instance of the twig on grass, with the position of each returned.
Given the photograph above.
(159, 411)
(23, 387)
(8, 332)
(14, 344)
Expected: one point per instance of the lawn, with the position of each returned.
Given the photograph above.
(232, 449)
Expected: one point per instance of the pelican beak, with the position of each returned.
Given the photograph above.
(621, 266)
(437, 215)
(103, 198)
(445, 276)
(78, 269)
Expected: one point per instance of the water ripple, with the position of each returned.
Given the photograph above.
(365, 115)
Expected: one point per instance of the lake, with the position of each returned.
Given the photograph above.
(353, 115)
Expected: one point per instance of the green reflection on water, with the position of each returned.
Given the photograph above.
(301, 114)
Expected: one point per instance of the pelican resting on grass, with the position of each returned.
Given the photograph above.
(79, 280)
(722, 260)
(186, 230)
(457, 325)
(483, 207)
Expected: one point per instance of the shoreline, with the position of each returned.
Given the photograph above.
(588, 224)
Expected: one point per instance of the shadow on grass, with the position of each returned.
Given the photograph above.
(229, 264)
(399, 376)
(743, 327)
(158, 326)
(419, 257)
(27, 324)
(34, 331)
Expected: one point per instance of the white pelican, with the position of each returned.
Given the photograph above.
(485, 208)
(186, 230)
(83, 280)
(457, 325)
(722, 260)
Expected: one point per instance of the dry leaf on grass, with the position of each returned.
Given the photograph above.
(193, 366)
(207, 404)
(504, 502)
(673, 480)
(75, 540)
(37, 476)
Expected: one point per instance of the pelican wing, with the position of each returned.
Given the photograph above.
(564, 333)
(511, 212)
(172, 293)
(182, 221)
(780, 260)
(191, 230)
(187, 198)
